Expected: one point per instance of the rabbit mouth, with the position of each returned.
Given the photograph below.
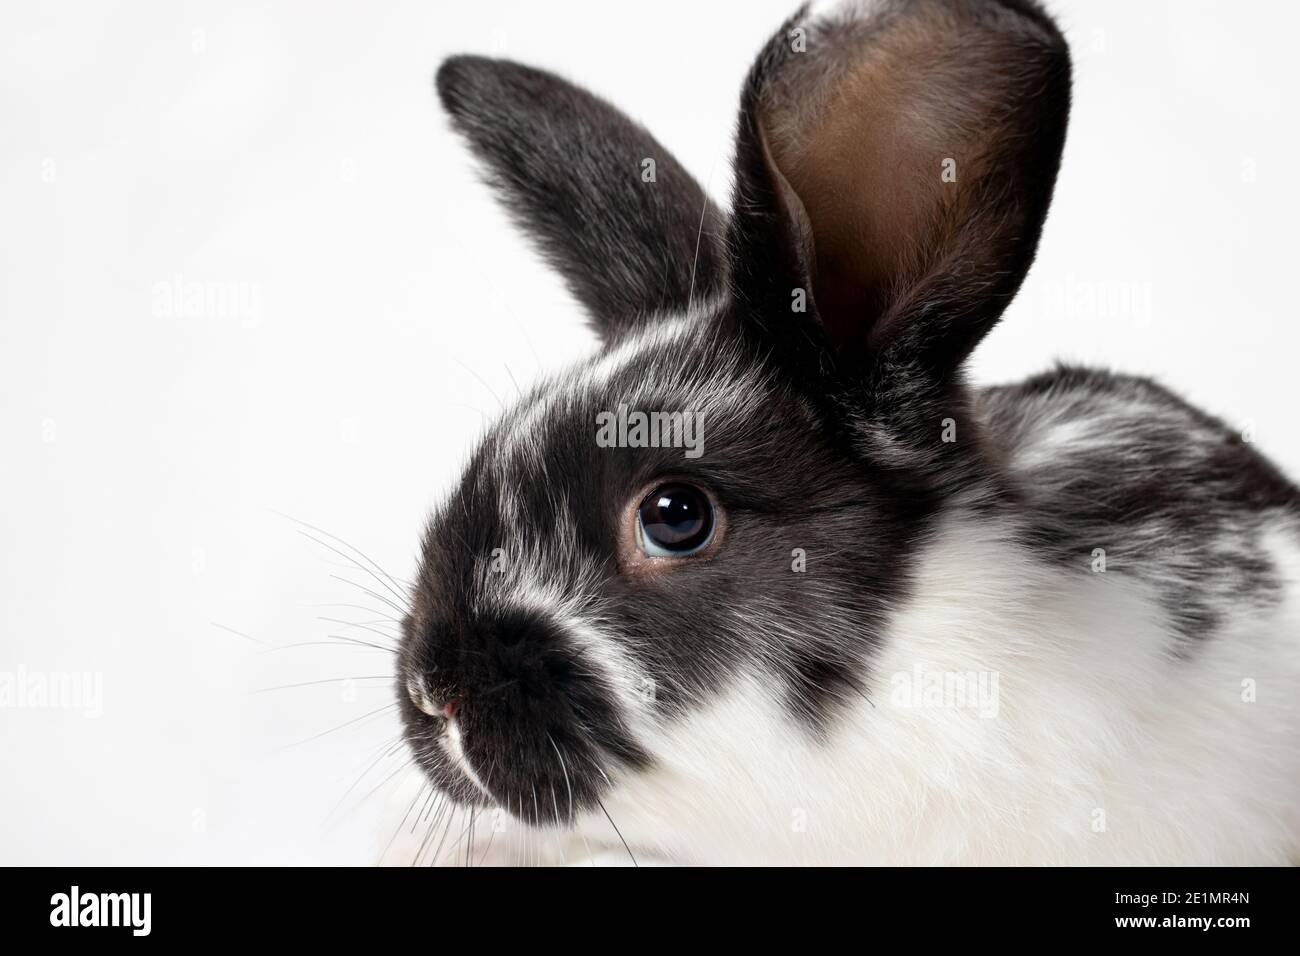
(453, 747)
(543, 777)
(521, 722)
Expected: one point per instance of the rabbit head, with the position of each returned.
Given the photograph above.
(723, 503)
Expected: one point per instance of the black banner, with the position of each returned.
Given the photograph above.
(479, 906)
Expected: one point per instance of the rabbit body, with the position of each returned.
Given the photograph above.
(1146, 712)
(876, 615)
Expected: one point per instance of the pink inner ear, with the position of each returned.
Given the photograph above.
(865, 161)
(903, 137)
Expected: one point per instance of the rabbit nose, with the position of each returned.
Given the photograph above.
(427, 703)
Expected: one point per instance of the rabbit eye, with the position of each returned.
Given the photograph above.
(675, 520)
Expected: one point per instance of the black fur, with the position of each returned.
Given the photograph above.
(568, 166)
(1171, 495)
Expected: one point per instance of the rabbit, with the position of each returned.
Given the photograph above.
(882, 617)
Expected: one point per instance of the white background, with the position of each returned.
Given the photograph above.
(291, 158)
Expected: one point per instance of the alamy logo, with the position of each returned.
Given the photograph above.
(103, 909)
(634, 429)
(61, 690)
(974, 690)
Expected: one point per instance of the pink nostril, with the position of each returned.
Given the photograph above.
(450, 708)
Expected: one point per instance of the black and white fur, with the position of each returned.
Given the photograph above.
(737, 710)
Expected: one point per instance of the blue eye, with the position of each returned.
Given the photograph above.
(675, 520)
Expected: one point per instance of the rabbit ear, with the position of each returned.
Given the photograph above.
(896, 160)
(630, 230)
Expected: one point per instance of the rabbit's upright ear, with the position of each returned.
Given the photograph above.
(895, 163)
(631, 231)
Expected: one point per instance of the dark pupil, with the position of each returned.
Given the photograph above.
(677, 517)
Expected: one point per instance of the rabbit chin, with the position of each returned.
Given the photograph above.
(1101, 749)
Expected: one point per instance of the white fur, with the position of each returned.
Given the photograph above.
(1116, 740)
(1094, 716)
